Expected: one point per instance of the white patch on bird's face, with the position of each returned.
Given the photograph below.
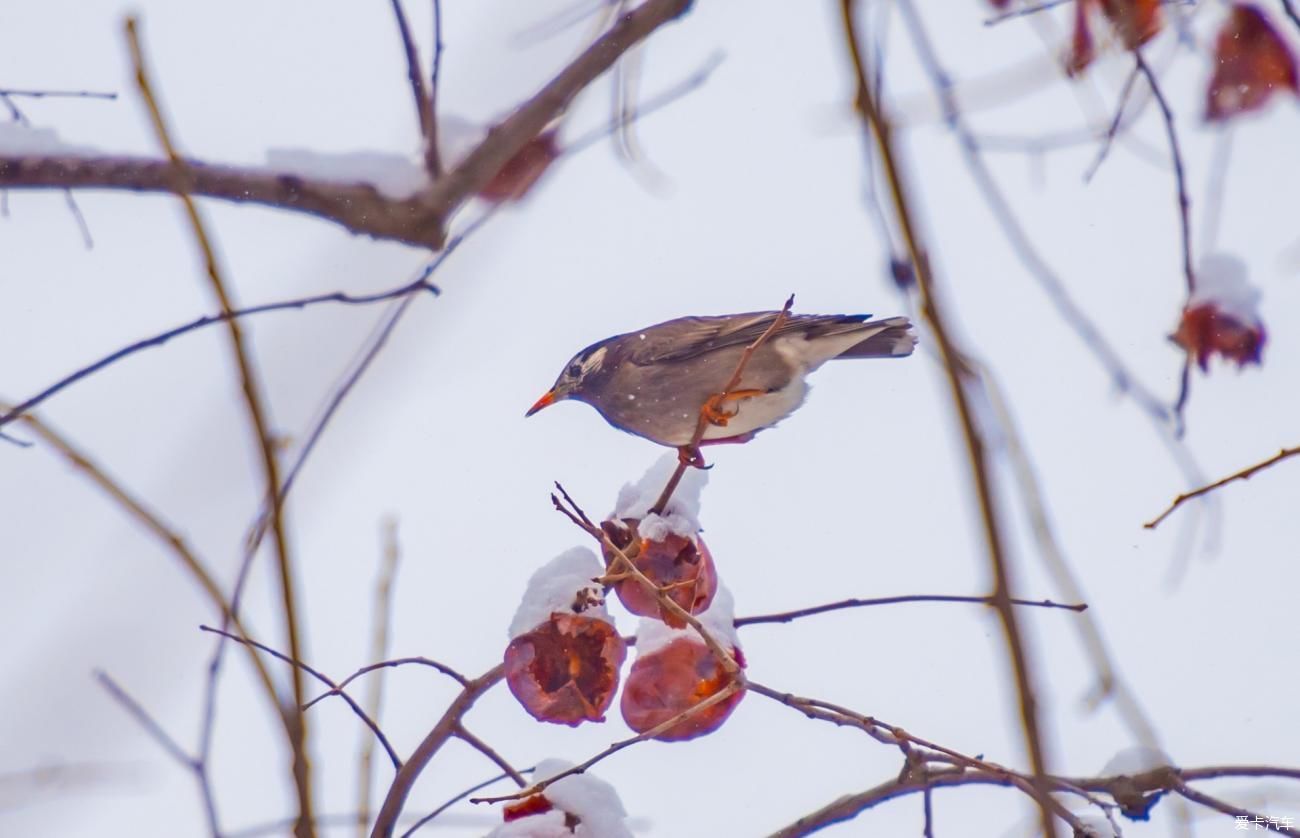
(593, 361)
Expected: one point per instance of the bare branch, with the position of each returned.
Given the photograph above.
(58, 94)
(791, 616)
(359, 207)
(418, 220)
(381, 619)
(298, 303)
(447, 727)
(198, 767)
(295, 722)
(487, 751)
(414, 74)
(538, 787)
(319, 676)
(1180, 175)
(1244, 474)
(879, 128)
(432, 153)
(458, 798)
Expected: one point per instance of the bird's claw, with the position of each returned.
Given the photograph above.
(689, 455)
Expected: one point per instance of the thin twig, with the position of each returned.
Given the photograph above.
(458, 798)
(152, 522)
(538, 787)
(414, 74)
(896, 736)
(623, 564)
(1288, 7)
(432, 153)
(690, 452)
(1122, 378)
(1113, 130)
(1109, 684)
(423, 661)
(295, 722)
(486, 750)
(790, 616)
(197, 766)
(391, 810)
(1180, 175)
(381, 619)
(58, 94)
(159, 339)
(324, 679)
(146, 721)
(1244, 474)
(1256, 821)
(956, 371)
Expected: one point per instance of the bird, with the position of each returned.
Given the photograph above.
(655, 382)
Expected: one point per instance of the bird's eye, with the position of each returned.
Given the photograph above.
(575, 370)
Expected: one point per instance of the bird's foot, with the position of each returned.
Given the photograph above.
(689, 455)
(714, 409)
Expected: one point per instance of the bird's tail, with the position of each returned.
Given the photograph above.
(893, 338)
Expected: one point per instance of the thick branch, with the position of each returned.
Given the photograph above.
(359, 207)
(448, 726)
(419, 220)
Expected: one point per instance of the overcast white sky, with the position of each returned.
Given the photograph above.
(863, 493)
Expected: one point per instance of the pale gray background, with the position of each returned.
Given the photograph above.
(864, 492)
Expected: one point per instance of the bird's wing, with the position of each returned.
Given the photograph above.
(690, 337)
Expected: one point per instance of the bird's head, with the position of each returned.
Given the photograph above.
(581, 369)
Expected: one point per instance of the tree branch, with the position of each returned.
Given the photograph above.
(880, 129)
(790, 616)
(1244, 474)
(419, 220)
(295, 722)
(447, 727)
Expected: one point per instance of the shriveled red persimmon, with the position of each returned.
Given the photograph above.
(681, 565)
(1207, 330)
(1251, 62)
(566, 669)
(669, 681)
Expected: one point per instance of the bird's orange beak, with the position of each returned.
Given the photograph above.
(545, 401)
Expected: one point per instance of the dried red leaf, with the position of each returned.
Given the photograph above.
(1136, 21)
(534, 805)
(999, 4)
(566, 669)
(1207, 330)
(521, 172)
(671, 680)
(1251, 61)
(684, 565)
(1082, 49)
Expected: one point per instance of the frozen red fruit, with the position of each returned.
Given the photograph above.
(670, 681)
(534, 805)
(566, 669)
(1135, 21)
(1252, 61)
(521, 172)
(680, 565)
(1222, 315)
(1206, 330)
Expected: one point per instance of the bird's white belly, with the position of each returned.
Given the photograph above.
(758, 412)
